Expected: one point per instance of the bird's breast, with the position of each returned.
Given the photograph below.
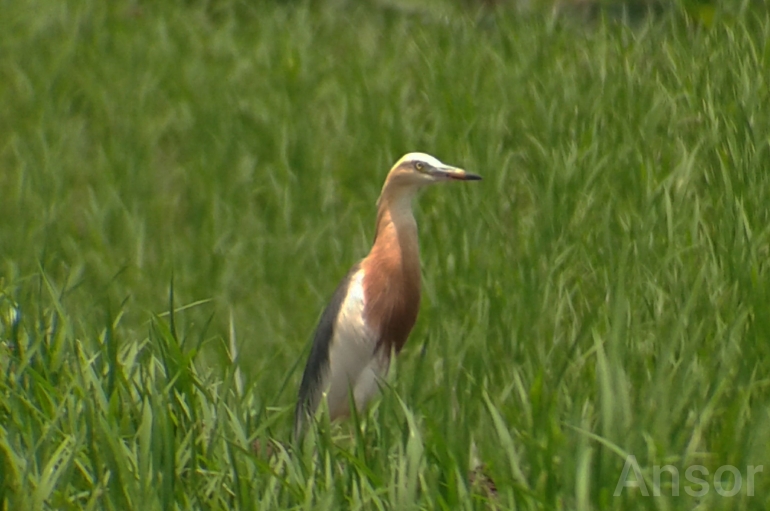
(391, 285)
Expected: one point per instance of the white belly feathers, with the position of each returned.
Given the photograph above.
(352, 360)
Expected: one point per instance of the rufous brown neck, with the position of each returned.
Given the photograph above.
(392, 272)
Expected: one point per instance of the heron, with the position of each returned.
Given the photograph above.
(374, 308)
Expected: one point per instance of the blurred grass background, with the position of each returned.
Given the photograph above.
(603, 291)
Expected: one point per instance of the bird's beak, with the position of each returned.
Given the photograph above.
(447, 172)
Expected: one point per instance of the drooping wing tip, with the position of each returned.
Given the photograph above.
(300, 419)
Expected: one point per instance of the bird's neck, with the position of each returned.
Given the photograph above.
(396, 231)
(392, 273)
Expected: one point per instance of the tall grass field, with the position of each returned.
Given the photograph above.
(178, 179)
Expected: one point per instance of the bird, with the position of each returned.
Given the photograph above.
(374, 308)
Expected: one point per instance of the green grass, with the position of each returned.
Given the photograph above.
(604, 291)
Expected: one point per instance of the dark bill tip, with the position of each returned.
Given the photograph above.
(472, 177)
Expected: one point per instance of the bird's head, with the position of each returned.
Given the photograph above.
(415, 170)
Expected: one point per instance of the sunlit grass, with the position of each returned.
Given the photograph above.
(604, 291)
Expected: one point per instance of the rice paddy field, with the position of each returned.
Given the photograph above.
(178, 178)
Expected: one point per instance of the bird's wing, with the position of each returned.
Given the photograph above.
(351, 351)
(316, 379)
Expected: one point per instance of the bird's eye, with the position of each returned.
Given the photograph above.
(418, 166)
